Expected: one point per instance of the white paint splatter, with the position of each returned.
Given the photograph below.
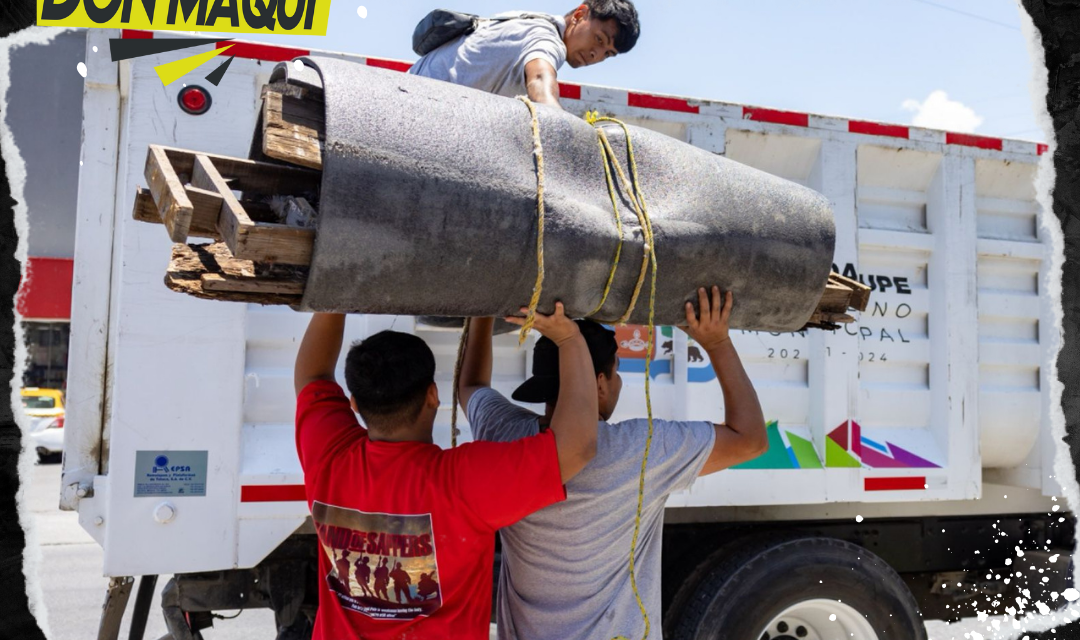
(361, 11)
(95, 48)
(81, 68)
(858, 518)
(1070, 594)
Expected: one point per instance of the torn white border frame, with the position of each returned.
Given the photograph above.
(1063, 467)
(32, 561)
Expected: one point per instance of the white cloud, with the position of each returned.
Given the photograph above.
(939, 112)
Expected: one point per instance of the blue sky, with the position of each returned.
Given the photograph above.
(918, 62)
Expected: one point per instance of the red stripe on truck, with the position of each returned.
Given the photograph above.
(776, 117)
(272, 493)
(968, 140)
(878, 129)
(393, 65)
(649, 101)
(569, 91)
(905, 483)
(136, 34)
(268, 52)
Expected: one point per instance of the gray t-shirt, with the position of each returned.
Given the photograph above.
(493, 57)
(565, 568)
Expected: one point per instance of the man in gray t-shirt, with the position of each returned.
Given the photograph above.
(564, 568)
(522, 55)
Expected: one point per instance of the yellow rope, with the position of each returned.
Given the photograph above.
(632, 187)
(637, 198)
(601, 139)
(642, 215)
(538, 153)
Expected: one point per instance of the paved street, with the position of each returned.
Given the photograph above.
(74, 589)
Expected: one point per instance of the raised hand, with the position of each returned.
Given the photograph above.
(555, 327)
(709, 327)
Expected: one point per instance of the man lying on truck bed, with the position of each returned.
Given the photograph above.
(387, 497)
(519, 53)
(581, 544)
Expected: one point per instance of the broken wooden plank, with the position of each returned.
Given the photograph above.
(174, 207)
(206, 208)
(860, 298)
(291, 146)
(827, 321)
(190, 264)
(293, 130)
(218, 282)
(825, 316)
(249, 175)
(276, 243)
(836, 298)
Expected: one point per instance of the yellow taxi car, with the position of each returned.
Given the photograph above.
(45, 408)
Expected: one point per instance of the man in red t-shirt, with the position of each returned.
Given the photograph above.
(388, 493)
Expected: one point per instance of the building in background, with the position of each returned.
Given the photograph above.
(44, 113)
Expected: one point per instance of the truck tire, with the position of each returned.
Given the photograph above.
(807, 588)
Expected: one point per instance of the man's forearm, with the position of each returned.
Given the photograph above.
(742, 410)
(476, 363)
(576, 410)
(319, 350)
(544, 91)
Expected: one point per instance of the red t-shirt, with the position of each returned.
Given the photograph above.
(407, 529)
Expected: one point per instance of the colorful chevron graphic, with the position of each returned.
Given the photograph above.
(796, 453)
(845, 446)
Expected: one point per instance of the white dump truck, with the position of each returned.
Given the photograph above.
(910, 451)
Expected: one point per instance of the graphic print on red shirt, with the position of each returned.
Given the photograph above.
(398, 551)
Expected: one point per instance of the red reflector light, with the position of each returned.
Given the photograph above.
(56, 423)
(194, 100)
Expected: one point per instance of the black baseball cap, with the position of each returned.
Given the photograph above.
(543, 386)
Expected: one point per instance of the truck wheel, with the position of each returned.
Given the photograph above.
(800, 589)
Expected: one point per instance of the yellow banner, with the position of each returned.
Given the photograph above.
(297, 17)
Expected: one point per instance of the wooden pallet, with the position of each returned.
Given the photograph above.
(194, 194)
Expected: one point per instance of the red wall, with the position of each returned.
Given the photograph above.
(45, 292)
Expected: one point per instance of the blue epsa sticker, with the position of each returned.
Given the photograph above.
(170, 473)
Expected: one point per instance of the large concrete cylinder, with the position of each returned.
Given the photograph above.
(428, 207)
